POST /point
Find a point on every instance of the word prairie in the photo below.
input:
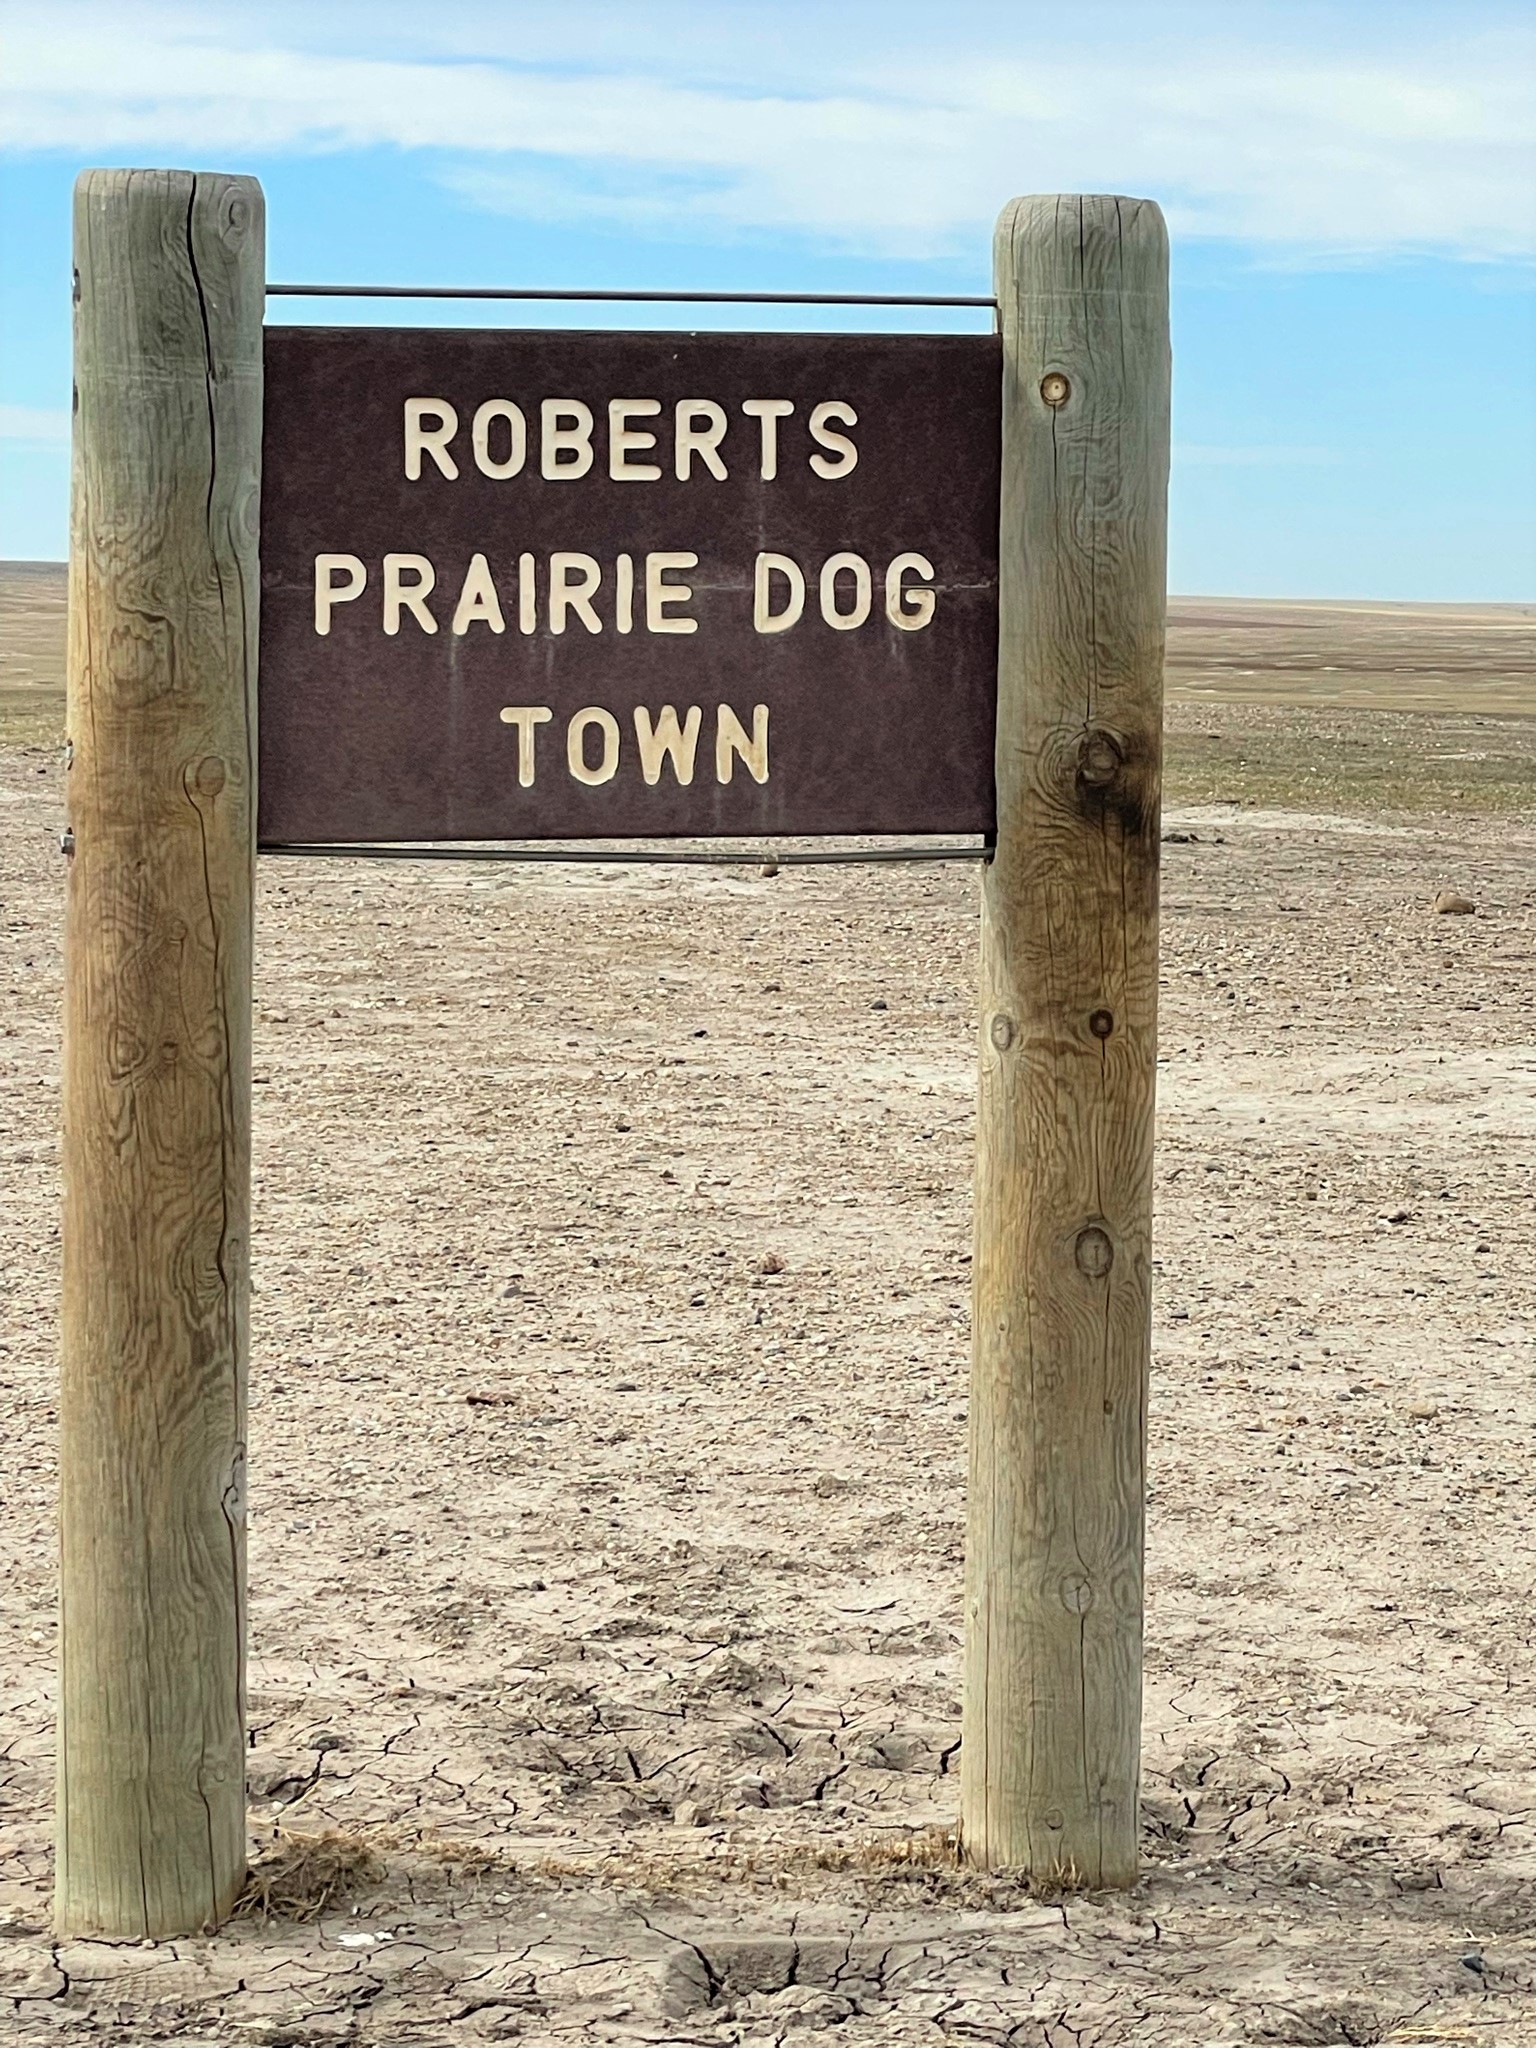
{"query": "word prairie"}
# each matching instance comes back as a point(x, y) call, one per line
point(647, 594)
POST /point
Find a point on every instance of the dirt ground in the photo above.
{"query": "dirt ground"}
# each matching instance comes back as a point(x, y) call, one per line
point(608, 1429)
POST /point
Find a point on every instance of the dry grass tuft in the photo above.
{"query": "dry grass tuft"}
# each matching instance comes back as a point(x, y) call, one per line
point(895, 1870)
point(300, 1875)
point(929, 1849)
point(931, 1863)
point(461, 1859)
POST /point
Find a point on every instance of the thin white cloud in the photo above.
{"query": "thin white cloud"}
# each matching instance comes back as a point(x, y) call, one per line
point(33, 423)
point(907, 150)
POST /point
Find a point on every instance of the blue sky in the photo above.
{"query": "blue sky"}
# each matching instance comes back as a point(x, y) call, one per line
point(1350, 186)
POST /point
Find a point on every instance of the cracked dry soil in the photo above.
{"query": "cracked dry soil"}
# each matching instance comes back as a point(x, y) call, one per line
point(615, 1661)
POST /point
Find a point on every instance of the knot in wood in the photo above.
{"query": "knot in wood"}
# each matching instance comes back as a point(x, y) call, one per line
point(125, 1051)
point(1055, 389)
point(210, 776)
point(1001, 1031)
point(237, 218)
point(1093, 1252)
point(1101, 1023)
point(1076, 1595)
point(1099, 759)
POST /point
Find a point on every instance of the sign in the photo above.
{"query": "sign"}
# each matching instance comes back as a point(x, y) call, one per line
point(582, 585)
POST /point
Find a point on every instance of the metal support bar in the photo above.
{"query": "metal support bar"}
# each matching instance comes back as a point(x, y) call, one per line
point(428, 291)
point(669, 857)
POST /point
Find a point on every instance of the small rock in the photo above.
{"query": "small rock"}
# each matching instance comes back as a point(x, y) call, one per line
point(1451, 903)
point(769, 869)
point(1423, 1411)
point(770, 1262)
point(880, 1004)
point(1181, 839)
point(1398, 1216)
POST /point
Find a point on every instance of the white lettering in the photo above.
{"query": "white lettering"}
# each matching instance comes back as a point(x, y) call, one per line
point(768, 412)
point(576, 596)
point(844, 454)
point(517, 437)
point(764, 618)
point(624, 594)
point(702, 441)
point(831, 569)
point(527, 718)
point(478, 599)
point(659, 594)
point(328, 592)
point(909, 609)
point(666, 738)
point(412, 597)
point(419, 438)
point(731, 739)
point(573, 441)
point(623, 439)
point(575, 746)
point(527, 594)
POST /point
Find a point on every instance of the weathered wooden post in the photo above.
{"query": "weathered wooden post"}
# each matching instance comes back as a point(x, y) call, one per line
point(1050, 1762)
point(169, 281)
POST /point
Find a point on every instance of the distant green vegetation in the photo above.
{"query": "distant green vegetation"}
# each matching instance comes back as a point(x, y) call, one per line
point(31, 718)
point(1295, 758)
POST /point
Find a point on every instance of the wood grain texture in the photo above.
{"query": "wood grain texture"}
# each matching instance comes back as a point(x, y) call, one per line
point(156, 1086)
point(1050, 1761)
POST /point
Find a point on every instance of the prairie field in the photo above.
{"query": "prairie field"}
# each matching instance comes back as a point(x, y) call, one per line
point(608, 1418)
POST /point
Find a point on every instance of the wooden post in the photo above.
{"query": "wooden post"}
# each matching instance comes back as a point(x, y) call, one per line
point(169, 282)
point(1050, 1762)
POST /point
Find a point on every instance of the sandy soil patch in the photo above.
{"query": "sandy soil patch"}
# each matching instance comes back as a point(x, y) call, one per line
point(608, 1433)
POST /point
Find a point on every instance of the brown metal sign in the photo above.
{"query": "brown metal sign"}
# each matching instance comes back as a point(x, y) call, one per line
point(581, 585)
